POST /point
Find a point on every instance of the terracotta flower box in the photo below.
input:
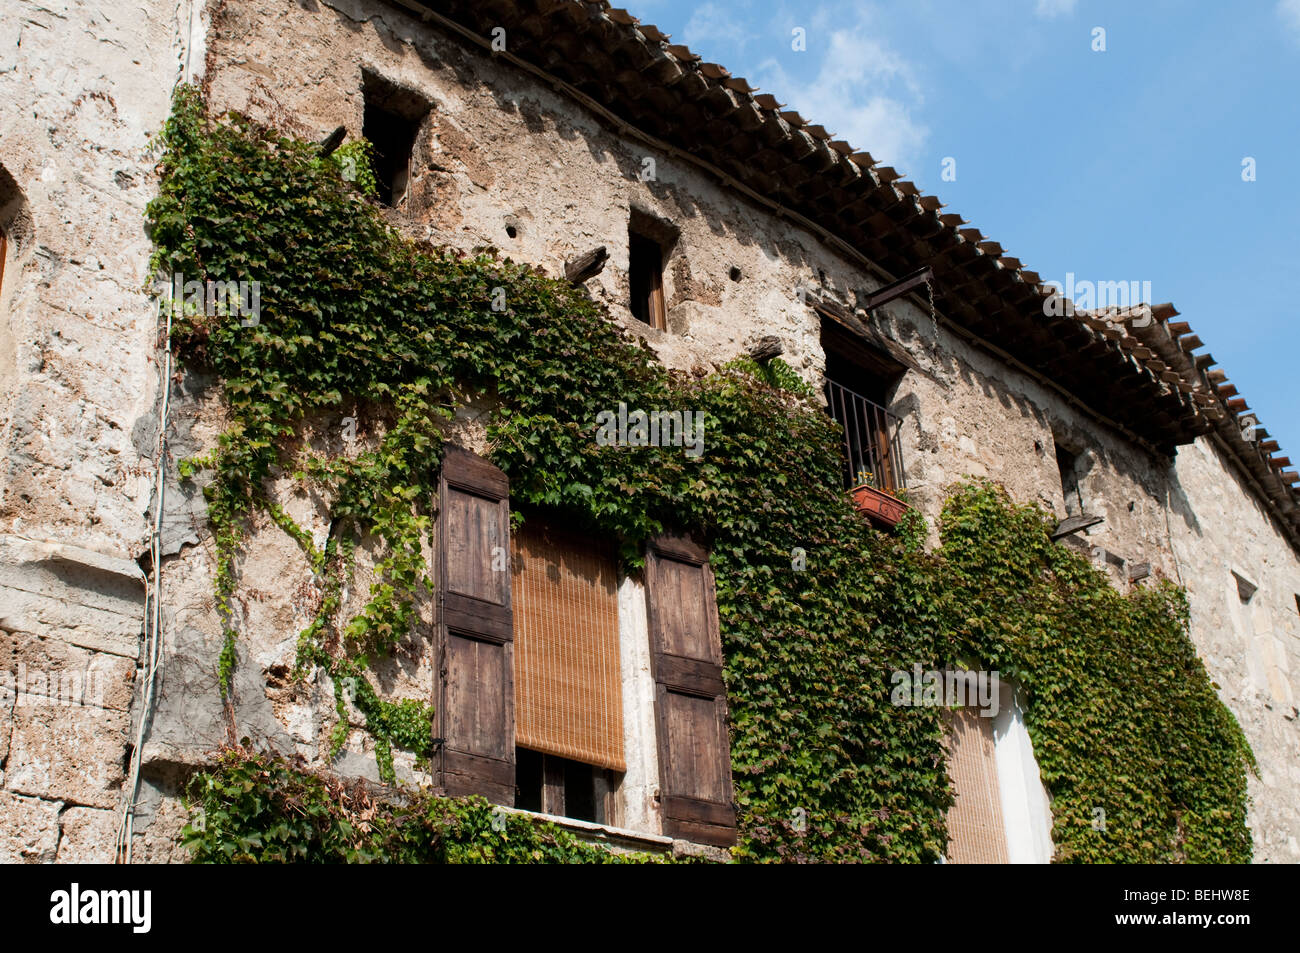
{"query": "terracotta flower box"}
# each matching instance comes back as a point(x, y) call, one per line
point(878, 506)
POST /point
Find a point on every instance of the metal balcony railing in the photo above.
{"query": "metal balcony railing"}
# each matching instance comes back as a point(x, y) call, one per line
point(870, 439)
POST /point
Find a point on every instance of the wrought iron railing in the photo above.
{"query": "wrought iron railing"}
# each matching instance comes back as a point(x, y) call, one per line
point(871, 443)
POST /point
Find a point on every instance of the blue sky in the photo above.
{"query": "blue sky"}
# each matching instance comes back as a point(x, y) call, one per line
point(1123, 164)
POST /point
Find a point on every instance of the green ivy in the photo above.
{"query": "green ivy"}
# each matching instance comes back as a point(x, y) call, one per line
point(1126, 725)
point(357, 319)
point(355, 161)
point(252, 808)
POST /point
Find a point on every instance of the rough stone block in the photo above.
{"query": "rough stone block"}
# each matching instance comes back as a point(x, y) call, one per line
point(74, 753)
point(35, 670)
point(30, 831)
point(88, 836)
point(62, 591)
point(190, 720)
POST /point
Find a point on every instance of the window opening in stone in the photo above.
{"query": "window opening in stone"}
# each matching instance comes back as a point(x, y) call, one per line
point(646, 277)
point(391, 122)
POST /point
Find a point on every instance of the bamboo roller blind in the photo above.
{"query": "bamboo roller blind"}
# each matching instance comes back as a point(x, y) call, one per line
point(975, 828)
point(568, 688)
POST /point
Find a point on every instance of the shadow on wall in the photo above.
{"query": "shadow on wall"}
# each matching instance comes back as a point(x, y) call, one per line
point(16, 244)
point(15, 218)
point(1179, 504)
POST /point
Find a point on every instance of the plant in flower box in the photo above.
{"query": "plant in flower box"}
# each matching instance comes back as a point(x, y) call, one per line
point(882, 508)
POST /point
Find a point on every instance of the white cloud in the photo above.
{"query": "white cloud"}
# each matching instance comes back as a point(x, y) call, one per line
point(1289, 12)
point(863, 91)
point(713, 26)
point(1054, 8)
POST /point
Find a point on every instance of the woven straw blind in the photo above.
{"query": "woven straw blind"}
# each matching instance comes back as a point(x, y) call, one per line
point(975, 828)
point(568, 689)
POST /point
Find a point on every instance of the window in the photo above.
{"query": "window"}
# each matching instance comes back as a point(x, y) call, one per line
point(977, 834)
point(391, 122)
point(1067, 464)
point(547, 784)
point(1001, 813)
point(646, 276)
point(859, 381)
point(568, 684)
point(649, 241)
point(530, 692)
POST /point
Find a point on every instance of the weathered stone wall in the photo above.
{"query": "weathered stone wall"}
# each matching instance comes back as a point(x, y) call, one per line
point(505, 161)
point(502, 160)
point(81, 88)
point(501, 151)
point(1219, 528)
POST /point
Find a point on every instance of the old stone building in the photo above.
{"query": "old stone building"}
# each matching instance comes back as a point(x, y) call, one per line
point(547, 129)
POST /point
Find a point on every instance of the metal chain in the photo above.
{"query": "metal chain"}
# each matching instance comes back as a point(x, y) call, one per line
point(934, 322)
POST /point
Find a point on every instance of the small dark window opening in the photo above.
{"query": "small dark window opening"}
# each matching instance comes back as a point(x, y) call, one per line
point(650, 241)
point(1245, 588)
point(393, 139)
point(1067, 464)
point(860, 382)
point(528, 780)
point(646, 277)
point(1297, 603)
point(580, 790)
point(391, 122)
point(735, 273)
point(547, 784)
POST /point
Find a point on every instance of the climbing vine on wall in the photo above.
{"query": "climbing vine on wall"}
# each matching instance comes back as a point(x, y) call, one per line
point(1120, 710)
point(253, 808)
point(1143, 762)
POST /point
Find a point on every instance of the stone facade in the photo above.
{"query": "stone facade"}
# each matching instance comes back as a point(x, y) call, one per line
point(83, 89)
point(501, 160)
point(1219, 532)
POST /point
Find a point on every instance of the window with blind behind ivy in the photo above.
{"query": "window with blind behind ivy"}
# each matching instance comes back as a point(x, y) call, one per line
point(976, 832)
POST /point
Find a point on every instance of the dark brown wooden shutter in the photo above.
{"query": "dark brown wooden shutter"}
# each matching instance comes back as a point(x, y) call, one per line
point(690, 701)
point(474, 696)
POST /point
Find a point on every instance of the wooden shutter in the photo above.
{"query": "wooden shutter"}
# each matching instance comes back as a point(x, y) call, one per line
point(658, 315)
point(474, 695)
point(646, 280)
point(690, 701)
point(976, 834)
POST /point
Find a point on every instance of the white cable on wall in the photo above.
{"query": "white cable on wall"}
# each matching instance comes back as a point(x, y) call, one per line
point(153, 609)
point(153, 638)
